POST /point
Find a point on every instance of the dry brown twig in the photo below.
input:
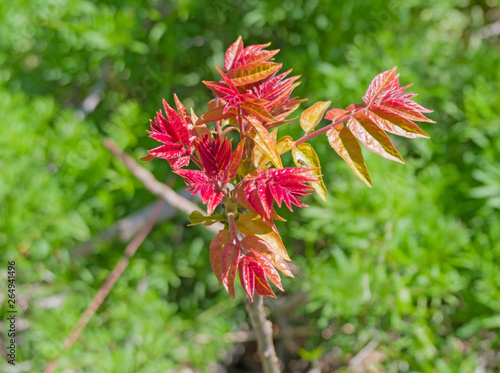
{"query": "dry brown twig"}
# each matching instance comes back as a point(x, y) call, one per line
point(104, 290)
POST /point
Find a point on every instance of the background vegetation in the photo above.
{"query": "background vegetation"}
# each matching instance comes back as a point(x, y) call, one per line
point(410, 268)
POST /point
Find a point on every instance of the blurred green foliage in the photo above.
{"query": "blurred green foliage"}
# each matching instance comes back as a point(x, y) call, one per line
point(413, 263)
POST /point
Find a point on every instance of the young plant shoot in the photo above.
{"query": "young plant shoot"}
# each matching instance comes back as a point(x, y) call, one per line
point(242, 181)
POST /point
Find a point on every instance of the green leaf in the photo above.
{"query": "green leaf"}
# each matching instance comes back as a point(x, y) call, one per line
point(345, 144)
point(305, 156)
point(263, 138)
point(311, 116)
point(197, 217)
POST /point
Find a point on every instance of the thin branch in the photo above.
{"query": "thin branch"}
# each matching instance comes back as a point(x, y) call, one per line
point(356, 362)
point(127, 227)
point(106, 287)
point(326, 128)
point(264, 332)
point(156, 187)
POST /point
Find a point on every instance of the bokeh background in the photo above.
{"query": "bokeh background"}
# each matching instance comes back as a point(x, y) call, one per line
point(407, 272)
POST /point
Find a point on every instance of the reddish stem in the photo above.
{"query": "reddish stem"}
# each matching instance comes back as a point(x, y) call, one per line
point(326, 128)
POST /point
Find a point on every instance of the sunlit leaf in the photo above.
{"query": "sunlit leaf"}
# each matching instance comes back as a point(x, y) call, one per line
point(373, 137)
point(250, 223)
point(251, 73)
point(346, 145)
point(254, 243)
point(263, 138)
point(197, 217)
point(305, 156)
point(311, 116)
point(230, 261)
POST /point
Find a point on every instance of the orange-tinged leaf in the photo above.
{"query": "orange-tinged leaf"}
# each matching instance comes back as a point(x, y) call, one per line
point(336, 114)
point(263, 138)
point(259, 111)
point(305, 156)
point(216, 248)
point(254, 243)
point(253, 72)
point(311, 116)
point(147, 158)
point(260, 160)
point(373, 137)
point(215, 115)
point(346, 145)
point(394, 123)
point(251, 223)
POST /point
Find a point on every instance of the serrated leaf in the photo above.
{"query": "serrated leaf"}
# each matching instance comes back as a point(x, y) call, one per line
point(305, 156)
point(264, 187)
point(253, 224)
point(373, 137)
point(263, 138)
point(216, 248)
point(252, 73)
point(311, 116)
point(232, 52)
point(394, 123)
point(262, 287)
point(254, 243)
point(247, 278)
point(267, 266)
point(230, 261)
point(346, 145)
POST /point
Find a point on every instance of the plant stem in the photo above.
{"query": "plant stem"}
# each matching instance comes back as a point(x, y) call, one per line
point(264, 333)
point(326, 128)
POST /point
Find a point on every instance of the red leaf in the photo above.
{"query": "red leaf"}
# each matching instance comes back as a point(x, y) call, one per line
point(280, 185)
point(235, 160)
point(230, 261)
point(267, 266)
point(174, 134)
point(262, 247)
point(261, 285)
point(216, 248)
point(247, 278)
point(199, 182)
point(385, 91)
point(386, 108)
point(232, 52)
point(373, 137)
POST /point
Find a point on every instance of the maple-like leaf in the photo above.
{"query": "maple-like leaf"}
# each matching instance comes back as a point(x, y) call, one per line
point(386, 108)
point(174, 134)
point(219, 166)
point(260, 189)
